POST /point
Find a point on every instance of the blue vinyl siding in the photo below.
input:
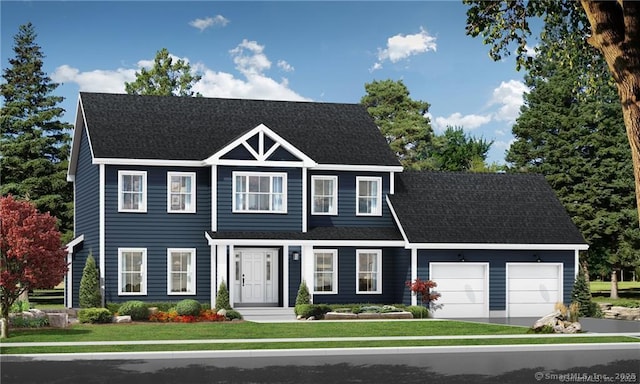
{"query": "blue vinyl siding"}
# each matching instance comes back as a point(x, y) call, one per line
point(347, 202)
point(395, 272)
point(229, 221)
point(156, 230)
point(87, 212)
point(498, 260)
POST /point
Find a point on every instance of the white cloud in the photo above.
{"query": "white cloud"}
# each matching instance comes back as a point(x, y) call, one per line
point(400, 47)
point(208, 22)
point(285, 66)
point(111, 81)
point(530, 51)
point(457, 119)
point(509, 96)
point(250, 61)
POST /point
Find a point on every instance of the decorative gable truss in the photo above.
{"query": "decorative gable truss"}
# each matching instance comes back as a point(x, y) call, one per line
point(261, 147)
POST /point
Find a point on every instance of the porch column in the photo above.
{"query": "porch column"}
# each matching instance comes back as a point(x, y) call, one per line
point(213, 276)
point(230, 272)
point(285, 276)
point(414, 273)
point(307, 268)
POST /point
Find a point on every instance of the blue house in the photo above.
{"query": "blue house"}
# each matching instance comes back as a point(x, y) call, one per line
point(174, 195)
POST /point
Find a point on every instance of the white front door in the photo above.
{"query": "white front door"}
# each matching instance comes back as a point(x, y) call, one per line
point(256, 279)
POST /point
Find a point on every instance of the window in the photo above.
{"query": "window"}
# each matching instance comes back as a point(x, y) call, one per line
point(324, 195)
point(368, 196)
point(259, 192)
point(181, 192)
point(369, 269)
point(325, 267)
point(132, 191)
point(132, 271)
point(181, 267)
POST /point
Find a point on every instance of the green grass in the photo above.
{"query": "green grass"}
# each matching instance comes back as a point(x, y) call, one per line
point(250, 330)
point(605, 286)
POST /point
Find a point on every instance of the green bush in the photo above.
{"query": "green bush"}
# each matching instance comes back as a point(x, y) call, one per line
point(95, 315)
point(222, 298)
point(113, 307)
point(232, 314)
point(308, 310)
point(28, 322)
point(90, 296)
point(134, 308)
point(188, 307)
point(418, 311)
point(19, 306)
point(543, 329)
point(303, 296)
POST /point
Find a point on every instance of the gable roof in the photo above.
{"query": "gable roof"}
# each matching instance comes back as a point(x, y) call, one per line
point(122, 126)
point(453, 208)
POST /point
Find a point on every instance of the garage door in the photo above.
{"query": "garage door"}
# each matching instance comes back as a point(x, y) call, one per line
point(533, 289)
point(464, 288)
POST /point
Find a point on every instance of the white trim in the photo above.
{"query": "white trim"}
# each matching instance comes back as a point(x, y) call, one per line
point(500, 246)
point(414, 274)
point(334, 195)
point(191, 287)
point(397, 220)
point(74, 242)
point(392, 183)
point(358, 168)
point(143, 272)
point(378, 209)
point(192, 193)
point(214, 198)
point(285, 276)
point(261, 157)
point(576, 263)
point(305, 209)
point(68, 297)
point(334, 272)
point(378, 253)
point(319, 243)
point(148, 162)
point(102, 230)
point(271, 176)
point(506, 281)
point(143, 202)
point(306, 268)
point(230, 264)
point(213, 276)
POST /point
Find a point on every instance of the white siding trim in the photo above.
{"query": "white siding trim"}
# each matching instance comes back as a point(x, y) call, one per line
point(102, 230)
point(305, 207)
point(306, 258)
point(285, 276)
point(397, 221)
point(214, 198)
point(414, 273)
point(500, 246)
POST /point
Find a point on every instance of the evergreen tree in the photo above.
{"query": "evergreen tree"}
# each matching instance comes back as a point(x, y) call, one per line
point(222, 298)
point(457, 151)
point(34, 143)
point(401, 120)
point(90, 296)
point(575, 136)
point(581, 294)
point(166, 78)
point(303, 296)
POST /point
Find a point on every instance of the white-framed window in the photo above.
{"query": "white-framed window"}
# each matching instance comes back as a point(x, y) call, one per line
point(325, 270)
point(132, 271)
point(259, 192)
point(181, 192)
point(369, 271)
point(181, 271)
point(132, 191)
point(324, 195)
point(369, 196)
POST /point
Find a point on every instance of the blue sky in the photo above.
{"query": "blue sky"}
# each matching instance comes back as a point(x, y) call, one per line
point(319, 51)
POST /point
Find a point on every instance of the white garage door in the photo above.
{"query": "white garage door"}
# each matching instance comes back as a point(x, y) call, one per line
point(533, 289)
point(464, 288)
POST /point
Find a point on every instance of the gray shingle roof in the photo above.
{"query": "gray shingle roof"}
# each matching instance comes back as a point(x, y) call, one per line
point(318, 233)
point(481, 208)
point(190, 128)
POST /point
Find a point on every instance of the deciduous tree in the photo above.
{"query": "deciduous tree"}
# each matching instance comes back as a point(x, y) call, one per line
point(34, 142)
point(167, 77)
point(457, 151)
point(31, 255)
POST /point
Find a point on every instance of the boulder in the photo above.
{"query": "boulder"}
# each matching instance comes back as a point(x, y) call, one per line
point(550, 320)
point(557, 321)
point(573, 328)
point(58, 320)
point(122, 319)
point(340, 316)
point(222, 312)
point(396, 315)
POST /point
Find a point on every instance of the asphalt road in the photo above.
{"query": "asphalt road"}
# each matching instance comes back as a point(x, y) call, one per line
point(419, 365)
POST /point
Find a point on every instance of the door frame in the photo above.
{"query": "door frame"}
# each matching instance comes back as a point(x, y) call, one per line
point(271, 289)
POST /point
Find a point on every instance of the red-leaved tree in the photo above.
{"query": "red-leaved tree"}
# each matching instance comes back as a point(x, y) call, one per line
point(423, 289)
point(31, 255)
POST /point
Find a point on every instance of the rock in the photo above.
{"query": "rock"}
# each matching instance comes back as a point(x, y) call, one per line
point(27, 315)
point(573, 328)
point(58, 320)
point(396, 315)
point(368, 315)
point(605, 306)
point(625, 313)
point(311, 318)
point(299, 317)
point(122, 319)
point(340, 316)
point(37, 313)
point(550, 320)
point(222, 312)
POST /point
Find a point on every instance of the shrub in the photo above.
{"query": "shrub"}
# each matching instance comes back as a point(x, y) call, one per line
point(113, 307)
point(232, 314)
point(303, 296)
point(581, 294)
point(188, 307)
point(134, 308)
point(543, 329)
point(222, 298)
point(418, 311)
point(90, 296)
point(308, 310)
point(28, 322)
point(20, 306)
point(94, 315)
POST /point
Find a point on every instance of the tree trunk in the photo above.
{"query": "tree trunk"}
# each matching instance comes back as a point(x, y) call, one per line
point(4, 322)
point(615, 31)
point(614, 284)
